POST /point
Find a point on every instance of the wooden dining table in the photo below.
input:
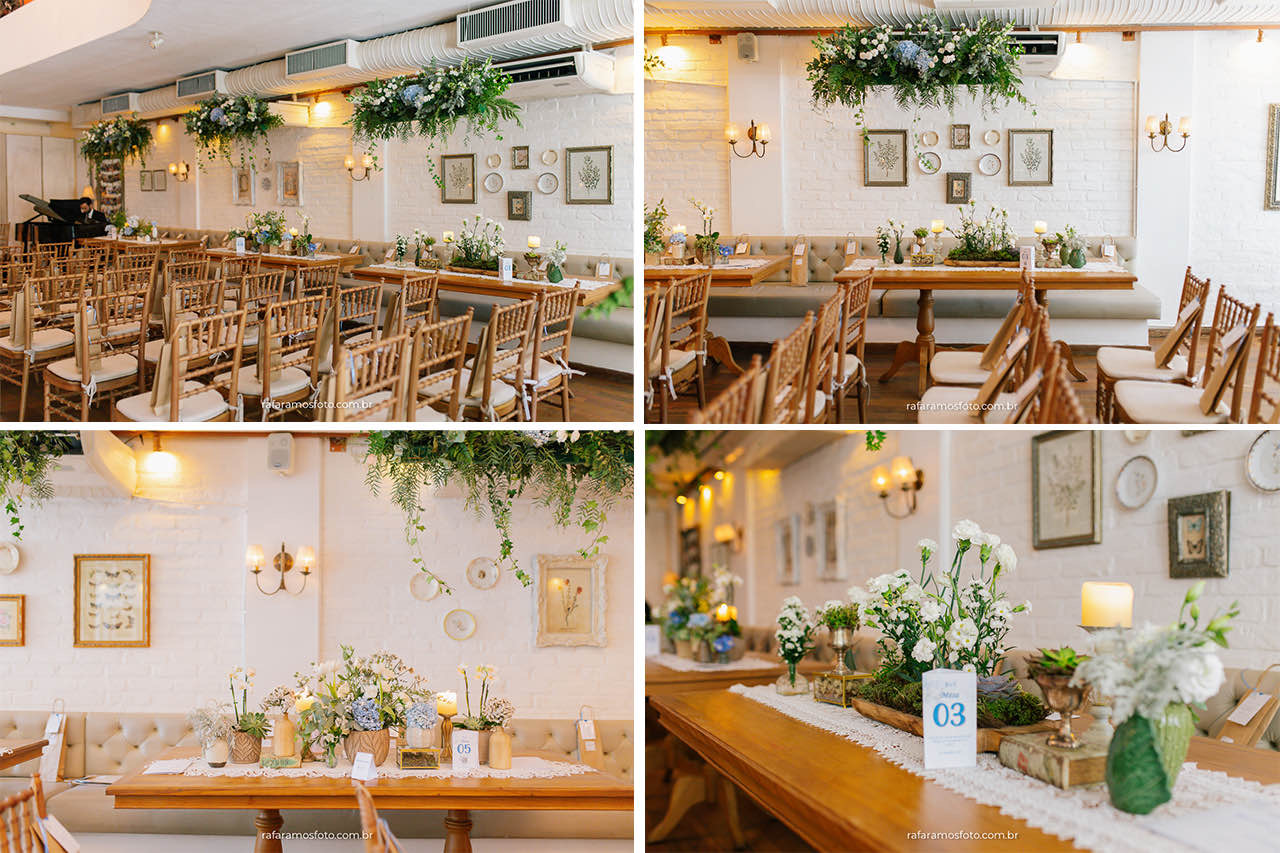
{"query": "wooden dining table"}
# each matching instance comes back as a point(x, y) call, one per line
point(15, 751)
point(1095, 275)
point(165, 244)
point(292, 262)
point(839, 795)
point(459, 796)
point(735, 271)
point(593, 289)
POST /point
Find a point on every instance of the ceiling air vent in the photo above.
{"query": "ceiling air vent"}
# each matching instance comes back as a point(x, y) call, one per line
point(1041, 52)
point(322, 60)
point(126, 102)
point(200, 85)
point(516, 19)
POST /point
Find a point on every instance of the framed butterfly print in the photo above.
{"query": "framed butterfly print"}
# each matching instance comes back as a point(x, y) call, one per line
point(113, 600)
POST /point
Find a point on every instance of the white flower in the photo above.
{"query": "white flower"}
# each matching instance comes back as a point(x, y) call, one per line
point(969, 668)
point(858, 595)
point(1197, 677)
point(1026, 607)
point(927, 547)
point(1006, 558)
point(930, 610)
point(991, 540)
point(963, 634)
point(912, 593)
point(878, 584)
point(924, 650)
point(1002, 609)
point(966, 531)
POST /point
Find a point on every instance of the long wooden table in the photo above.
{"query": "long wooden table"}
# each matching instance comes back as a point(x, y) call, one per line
point(593, 290)
point(730, 273)
point(20, 750)
point(1096, 275)
point(267, 795)
point(293, 262)
point(660, 680)
point(839, 795)
point(164, 244)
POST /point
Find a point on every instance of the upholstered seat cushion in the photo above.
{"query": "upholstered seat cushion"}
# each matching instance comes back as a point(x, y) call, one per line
point(677, 361)
point(1166, 403)
point(204, 406)
point(616, 327)
point(953, 367)
point(115, 366)
point(769, 300)
point(852, 368)
point(290, 381)
point(501, 395)
point(42, 340)
point(1127, 363)
point(948, 404)
point(819, 399)
point(124, 330)
point(548, 370)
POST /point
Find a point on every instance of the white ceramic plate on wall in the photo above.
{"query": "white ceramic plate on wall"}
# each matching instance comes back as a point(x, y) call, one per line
point(929, 162)
point(549, 157)
point(1136, 482)
point(9, 558)
point(991, 137)
point(424, 587)
point(548, 183)
point(492, 182)
point(459, 624)
point(929, 138)
point(989, 164)
point(482, 573)
point(493, 161)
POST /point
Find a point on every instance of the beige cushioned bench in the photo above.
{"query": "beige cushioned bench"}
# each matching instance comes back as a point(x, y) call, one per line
point(109, 744)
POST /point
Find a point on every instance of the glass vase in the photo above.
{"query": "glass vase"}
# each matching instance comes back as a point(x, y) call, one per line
point(331, 755)
point(897, 251)
point(791, 683)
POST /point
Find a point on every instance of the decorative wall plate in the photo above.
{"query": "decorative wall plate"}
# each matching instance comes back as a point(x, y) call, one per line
point(1262, 465)
point(493, 161)
point(482, 573)
point(424, 587)
point(1136, 482)
point(549, 157)
point(991, 137)
point(929, 138)
point(459, 624)
point(548, 183)
point(929, 162)
point(492, 182)
point(989, 164)
point(9, 558)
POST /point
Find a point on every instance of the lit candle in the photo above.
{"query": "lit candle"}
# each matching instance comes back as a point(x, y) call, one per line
point(1041, 227)
point(448, 236)
point(535, 242)
point(447, 703)
point(680, 229)
point(937, 226)
point(1153, 124)
point(1184, 125)
point(722, 613)
point(293, 232)
point(880, 479)
point(1106, 605)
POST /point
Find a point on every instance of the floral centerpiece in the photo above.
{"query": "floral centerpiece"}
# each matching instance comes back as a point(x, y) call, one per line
point(212, 728)
point(493, 712)
point(422, 243)
point(401, 248)
point(321, 706)
point(707, 244)
point(983, 242)
point(926, 63)
point(432, 103)
point(280, 702)
point(225, 125)
point(795, 640)
point(944, 620)
point(655, 229)
point(1070, 247)
point(478, 245)
point(890, 231)
point(248, 727)
point(555, 262)
point(1152, 676)
point(700, 616)
point(301, 242)
point(267, 229)
point(134, 226)
point(122, 138)
point(419, 720)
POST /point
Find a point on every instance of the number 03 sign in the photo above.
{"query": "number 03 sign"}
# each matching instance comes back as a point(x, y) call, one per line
point(950, 719)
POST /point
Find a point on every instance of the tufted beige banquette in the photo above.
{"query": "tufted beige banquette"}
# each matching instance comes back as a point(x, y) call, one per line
point(866, 657)
point(107, 744)
point(768, 311)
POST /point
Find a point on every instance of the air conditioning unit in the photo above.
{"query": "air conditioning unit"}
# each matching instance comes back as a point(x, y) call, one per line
point(293, 113)
point(322, 60)
point(714, 5)
point(517, 19)
point(201, 85)
point(125, 102)
point(83, 115)
point(581, 73)
point(1041, 52)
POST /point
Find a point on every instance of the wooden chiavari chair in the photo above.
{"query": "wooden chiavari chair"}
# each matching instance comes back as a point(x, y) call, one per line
point(437, 371)
point(114, 321)
point(354, 319)
point(59, 251)
point(40, 331)
point(413, 302)
point(737, 404)
point(1226, 361)
point(21, 816)
point(1059, 404)
point(851, 363)
point(973, 366)
point(287, 368)
point(232, 270)
point(183, 301)
point(378, 837)
point(1174, 361)
point(783, 388)
point(254, 292)
point(313, 279)
point(654, 311)
point(12, 276)
point(369, 384)
point(1264, 405)
point(682, 340)
point(547, 370)
point(819, 372)
point(498, 368)
point(185, 387)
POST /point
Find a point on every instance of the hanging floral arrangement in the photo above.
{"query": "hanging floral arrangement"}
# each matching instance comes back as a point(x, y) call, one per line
point(925, 65)
point(224, 126)
point(576, 475)
point(432, 104)
point(27, 458)
point(122, 138)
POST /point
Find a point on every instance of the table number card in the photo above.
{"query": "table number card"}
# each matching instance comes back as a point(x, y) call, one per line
point(506, 268)
point(742, 248)
point(604, 269)
point(950, 719)
point(652, 641)
point(799, 263)
point(466, 749)
point(363, 769)
point(1026, 257)
point(239, 245)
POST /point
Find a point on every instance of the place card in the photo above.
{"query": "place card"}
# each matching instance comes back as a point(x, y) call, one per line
point(239, 245)
point(363, 769)
point(604, 269)
point(506, 268)
point(950, 719)
point(1248, 707)
point(742, 248)
point(1027, 257)
point(652, 640)
point(466, 749)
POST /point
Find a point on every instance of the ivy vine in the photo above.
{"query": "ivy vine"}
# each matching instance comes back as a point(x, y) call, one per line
point(26, 460)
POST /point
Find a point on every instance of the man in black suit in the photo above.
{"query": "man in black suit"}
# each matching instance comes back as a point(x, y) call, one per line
point(88, 213)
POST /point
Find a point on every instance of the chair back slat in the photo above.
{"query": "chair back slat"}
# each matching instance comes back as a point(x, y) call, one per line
point(377, 366)
point(1193, 288)
point(317, 278)
point(783, 389)
point(503, 351)
point(553, 328)
point(821, 361)
point(439, 352)
point(1264, 404)
point(119, 316)
point(737, 404)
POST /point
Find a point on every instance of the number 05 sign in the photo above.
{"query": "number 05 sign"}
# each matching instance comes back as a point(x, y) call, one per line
point(950, 721)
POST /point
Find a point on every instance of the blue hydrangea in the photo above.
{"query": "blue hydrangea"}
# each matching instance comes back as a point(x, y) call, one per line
point(412, 93)
point(700, 620)
point(922, 62)
point(677, 619)
point(907, 51)
point(217, 114)
point(723, 644)
point(421, 715)
point(365, 712)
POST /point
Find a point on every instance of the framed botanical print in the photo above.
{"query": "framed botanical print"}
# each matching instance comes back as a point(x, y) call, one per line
point(691, 552)
point(959, 187)
point(13, 620)
point(571, 600)
point(1199, 535)
point(520, 205)
point(242, 189)
point(787, 533)
point(458, 178)
point(1066, 488)
point(884, 158)
point(519, 156)
point(588, 175)
point(831, 556)
point(1030, 160)
point(289, 183)
point(112, 600)
point(959, 136)
point(1271, 200)
point(159, 180)
point(144, 180)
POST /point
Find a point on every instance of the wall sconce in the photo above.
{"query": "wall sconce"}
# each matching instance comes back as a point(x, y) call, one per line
point(366, 163)
point(760, 136)
point(908, 478)
point(1164, 128)
point(282, 563)
point(729, 534)
point(159, 462)
point(181, 171)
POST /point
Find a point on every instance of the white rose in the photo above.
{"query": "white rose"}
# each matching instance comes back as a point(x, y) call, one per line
point(1002, 609)
point(966, 531)
point(927, 545)
point(878, 584)
point(924, 650)
point(991, 540)
point(1006, 558)
point(913, 593)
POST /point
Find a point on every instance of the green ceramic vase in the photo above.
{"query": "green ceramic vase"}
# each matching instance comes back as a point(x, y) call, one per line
point(554, 274)
point(1077, 258)
point(1145, 756)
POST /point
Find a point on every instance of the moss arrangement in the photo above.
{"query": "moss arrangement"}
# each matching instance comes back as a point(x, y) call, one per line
point(1019, 709)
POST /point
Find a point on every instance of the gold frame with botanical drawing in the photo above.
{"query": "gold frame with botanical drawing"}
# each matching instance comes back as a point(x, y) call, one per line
point(1013, 138)
point(898, 140)
point(1271, 195)
point(566, 583)
point(1066, 472)
point(577, 190)
point(449, 164)
point(17, 634)
point(95, 602)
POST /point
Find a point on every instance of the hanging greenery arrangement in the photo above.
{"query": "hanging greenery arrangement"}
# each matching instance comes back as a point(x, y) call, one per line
point(620, 298)
point(432, 103)
point(26, 459)
point(226, 125)
point(122, 138)
point(925, 65)
point(578, 476)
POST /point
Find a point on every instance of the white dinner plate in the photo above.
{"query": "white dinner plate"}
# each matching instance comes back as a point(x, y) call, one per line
point(1262, 465)
point(492, 182)
point(482, 573)
point(424, 587)
point(9, 558)
point(459, 624)
point(548, 183)
point(493, 161)
point(929, 138)
point(991, 137)
point(1136, 482)
point(549, 157)
point(989, 164)
point(929, 162)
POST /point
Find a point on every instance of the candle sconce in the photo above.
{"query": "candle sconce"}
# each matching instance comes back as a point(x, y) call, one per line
point(1164, 128)
point(366, 164)
point(909, 478)
point(758, 135)
point(282, 563)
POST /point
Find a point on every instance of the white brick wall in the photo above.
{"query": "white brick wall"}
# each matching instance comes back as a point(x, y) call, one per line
point(196, 536)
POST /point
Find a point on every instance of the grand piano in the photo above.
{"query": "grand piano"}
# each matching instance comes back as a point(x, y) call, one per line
point(59, 224)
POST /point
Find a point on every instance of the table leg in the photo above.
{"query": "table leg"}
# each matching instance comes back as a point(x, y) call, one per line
point(687, 791)
point(1064, 350)
point(718, 348)
point(268, 823)
point(457, 831)
point(924, 337)
point(731, 814)
point(905, 354)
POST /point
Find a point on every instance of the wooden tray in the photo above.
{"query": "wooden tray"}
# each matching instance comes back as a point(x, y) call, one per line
point(1008, 264)
point(988, 739)
point(472, 270)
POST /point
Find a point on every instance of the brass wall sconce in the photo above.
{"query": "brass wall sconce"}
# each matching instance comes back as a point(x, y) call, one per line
point(1164, 128)
point(909, 480)
point(181, 171)
point(282, 563)
point(366, 164)
point(759, 136)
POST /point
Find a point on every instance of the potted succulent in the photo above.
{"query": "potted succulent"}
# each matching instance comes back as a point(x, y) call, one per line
point(795, 640)
point(212, 729)
point(841, 619)
point(482, 724)
point(922, 235)
point(1053, 671)
point(249, 727)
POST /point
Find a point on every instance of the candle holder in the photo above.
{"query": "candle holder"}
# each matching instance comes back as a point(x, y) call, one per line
point(533, 259)
point(836, 687)
point(446, 737)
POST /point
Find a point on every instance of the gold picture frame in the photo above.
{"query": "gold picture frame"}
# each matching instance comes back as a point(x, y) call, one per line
point(1066, 488)
point(1272, 195)
point(884, 158)
point(457, 179)
point(571, 600)
point(13, 619)
point(112, 600)
point(1030, 160)
point(588, 175)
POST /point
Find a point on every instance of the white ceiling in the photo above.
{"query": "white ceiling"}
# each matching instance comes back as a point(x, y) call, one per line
point(204, 34)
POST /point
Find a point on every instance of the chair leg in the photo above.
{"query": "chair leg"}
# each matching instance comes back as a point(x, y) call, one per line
point(22, 399)
point(46, 403)
point(702, 385)
point(564, 400)
point(659, 388)
point(864, 392)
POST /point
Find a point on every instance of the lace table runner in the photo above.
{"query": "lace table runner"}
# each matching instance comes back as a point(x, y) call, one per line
point(1092, 265)
point(566, 282)
point(522, 767)
point(680, 664)
point(1083, 816)
point(5, 750)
